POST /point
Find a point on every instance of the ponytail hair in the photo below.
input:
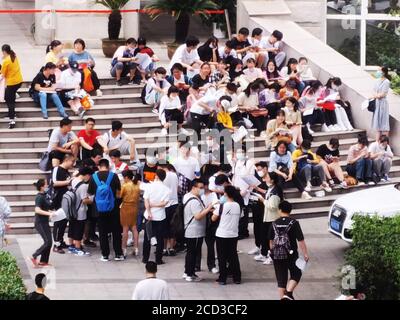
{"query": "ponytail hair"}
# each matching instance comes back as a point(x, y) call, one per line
point(7, 49)
point(385, 71)
point(39, 184)
point(52, 45)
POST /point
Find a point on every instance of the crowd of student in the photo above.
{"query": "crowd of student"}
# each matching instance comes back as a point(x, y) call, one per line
point(241, 85)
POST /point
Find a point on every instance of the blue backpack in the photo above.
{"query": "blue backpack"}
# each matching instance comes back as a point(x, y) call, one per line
point(105, 200)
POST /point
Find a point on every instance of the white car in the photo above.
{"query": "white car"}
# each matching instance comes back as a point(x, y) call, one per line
point(384, 201)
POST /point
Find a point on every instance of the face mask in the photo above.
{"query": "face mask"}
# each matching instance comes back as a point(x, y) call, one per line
point(151, 160)
point(160, 78)
point(378, 74)
point(46, 189)
point(210, 143)
point(334, 87)
point(241, 156)
point(261, 174)
point(222, 200)
point(212, 46)
point(202, 192)
point(238, 70)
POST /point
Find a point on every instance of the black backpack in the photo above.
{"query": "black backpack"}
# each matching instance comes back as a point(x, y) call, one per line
point(177, 221)
point(281, 243)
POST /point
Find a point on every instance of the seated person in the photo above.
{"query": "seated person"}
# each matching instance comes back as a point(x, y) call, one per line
point(251, 73)
point(202, 80)
point(235, 71)
point(224, 120)
point(116, 165)
point(277, 130)
point(170, 112)
point(330, 160)
point(144, 49)
point(123, 62)
point(180, 80)
point(227, 53)
point(290, 72)
point(43, 89)
point(293, 119)
point(208, 52)
point(255, 52)
point(54, 54)
point(269, 99)
point(62, 141)
point(187, 54)
point(281, 163)
point(382, 157)
point(289, 91)
point(306, 165)
point(305, 71)
point(85, 61)
point(156, 87)
point(117, 139)
point(236, 116)
point(88, 139)
point(241, 43)
point(271, 74)
point(272, 48)
point(359, 163)
point(220, 76)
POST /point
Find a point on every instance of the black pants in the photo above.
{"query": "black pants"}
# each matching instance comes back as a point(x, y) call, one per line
point(257, 210)
point(265, 228)
point(9, 97)
point(200, 121)
point(244, 224)
point(330, 117)
point(109, 223)
point(43, 229)
point(283, 266)
point(273, 109)
point(193, 246)
point(157, 228)
point(260, 123)
point(59, 230)
point(318, 116)
point(227, 253)
point(210, 243)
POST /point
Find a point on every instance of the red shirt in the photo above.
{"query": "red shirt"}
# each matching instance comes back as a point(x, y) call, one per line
point(89, 139)
point(147, 50)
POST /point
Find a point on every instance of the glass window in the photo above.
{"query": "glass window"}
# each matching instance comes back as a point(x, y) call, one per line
point(384, 6)
point(344, 6)
point(344, 37)
point(383, 44)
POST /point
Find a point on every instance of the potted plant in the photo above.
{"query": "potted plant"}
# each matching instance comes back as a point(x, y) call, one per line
point(218, 21)
point(181, 10)
point(111, 44)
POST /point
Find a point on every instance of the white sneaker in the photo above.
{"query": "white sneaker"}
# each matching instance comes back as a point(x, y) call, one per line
point(336, 127)
point(184, 131)
point(104, 259)
point(215, 270)
point(361, 183)
point(309, 128)
point(260, 258)
point(193, 279)
point(130, 243)
point(325, 128)
point(99, 93)
point(331, 182)
point(371, 183)
point(326, 187)
point(263, 134)
point(164, 132)
point(155, 111)
point(256, 250)
point(17, 96)
point(184, 276)
point(308, 187)
point(331, 128)
point(343, 185)
point(268, 261)
point(306, 196)
point(136, 252)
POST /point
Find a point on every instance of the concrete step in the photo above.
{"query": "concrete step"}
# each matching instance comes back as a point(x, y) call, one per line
point(103, 81)
point(109, 89)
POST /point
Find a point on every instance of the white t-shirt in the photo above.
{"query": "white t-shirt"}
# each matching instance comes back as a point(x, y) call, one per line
point(151, 289)
point(168, 104)
point(209, 198)
point(253, 74)
point(209, 100)
point(229, 220)
point(375, 147)
point(70, 80)
point(81, 193)
point(120, 52)
point(59, 139)
point(181, 55)
point(172, 182)
point(152, 84)
point(187, 167)
point(194, 228)
point(116, 142)
point(224, 55)
point(156, 192)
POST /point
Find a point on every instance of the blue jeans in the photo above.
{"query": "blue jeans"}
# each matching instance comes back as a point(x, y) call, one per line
point(41, 98)
point(361, 170)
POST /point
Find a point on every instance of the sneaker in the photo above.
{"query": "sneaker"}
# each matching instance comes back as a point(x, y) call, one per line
point(164, 132)
point(286, 297)
point(306, 196)
point(184, 276)
point(360, 183)
point(45, 117)
point(136, 252)
point(331, 182)
point(119, 258)
point(11, 125)
point(89, 243)
point(308, 187)
point(17, 96)
point(119, 83)
point(81, 253)
point(165, 253)
point(371, 183)
point(260, 258)
point(99, 93)
point(268, 261)
point(82, 114)
point(325, 128)
point(34, 261)
point(171, 252)
point(309, 128)
point(155, 111)
point(386, 178)
point(104, 259)
point(193, 279)
point(343, 185)
point(326, 187)
point(72, 249)
point(58, 250)
point(336, 127)
point(215, 270)
point(256, 250)
point(44, 265)
point(63, 245)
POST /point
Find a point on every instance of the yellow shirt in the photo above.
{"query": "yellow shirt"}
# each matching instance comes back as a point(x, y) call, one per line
point(298, 153)
point(11, 71)
point(224, 118)
point(52, 57)
point(130, 192)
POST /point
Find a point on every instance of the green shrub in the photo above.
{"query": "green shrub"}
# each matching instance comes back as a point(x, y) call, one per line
point(395, 84)
point(375, 255)
point(11, 285)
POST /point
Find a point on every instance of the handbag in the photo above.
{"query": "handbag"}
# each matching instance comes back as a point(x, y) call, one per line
point(44, 163)
point(371, 106)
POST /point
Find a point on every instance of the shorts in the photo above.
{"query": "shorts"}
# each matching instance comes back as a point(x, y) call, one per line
point(174, 115)
point(55, 154)
point(126, 68)
point(169, 213)
point(76, 229)
point(281, 270)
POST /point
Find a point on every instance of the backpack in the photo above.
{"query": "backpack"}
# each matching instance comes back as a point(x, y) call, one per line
point(104, 198)
point(87, 80)
point(51, 195)
point(69, 203)
point(281, 243)
point(177, 221)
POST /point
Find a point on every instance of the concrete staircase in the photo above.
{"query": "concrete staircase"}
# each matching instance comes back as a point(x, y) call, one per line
point(20, 149)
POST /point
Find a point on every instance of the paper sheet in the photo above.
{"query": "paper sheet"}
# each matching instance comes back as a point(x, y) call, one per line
point(143, 60)
point(308, 112)
point(251, 180)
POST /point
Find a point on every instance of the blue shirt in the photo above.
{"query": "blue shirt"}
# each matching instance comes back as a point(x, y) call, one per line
point(77, 57)
point(276, 158)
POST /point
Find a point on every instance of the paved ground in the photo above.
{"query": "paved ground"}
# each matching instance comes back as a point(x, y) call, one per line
point(88, 278)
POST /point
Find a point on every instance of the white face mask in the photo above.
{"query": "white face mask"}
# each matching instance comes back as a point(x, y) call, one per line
point(151, 160)
point(241, 156)
point(160, 78)
point(238, 70)
point(212, 46)
point(261, 174)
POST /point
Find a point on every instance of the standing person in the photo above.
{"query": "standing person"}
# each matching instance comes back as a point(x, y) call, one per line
point(77, 227)
point(151, 288)
point(130, 195)
point(88, 139)
point(11, 71)
point(38, 294)
point(195, 227)
point(380, 118)
point(156, 197)
point(227, 234)
point(382, 156)
point(105, 187)
point(43, 90)
point(42, 215)
point(61, 181)
point(359, 163)
point(283, 238)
